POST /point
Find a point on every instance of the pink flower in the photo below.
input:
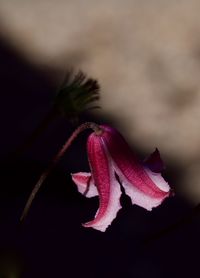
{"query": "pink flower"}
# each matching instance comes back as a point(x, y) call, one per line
point(110, 157)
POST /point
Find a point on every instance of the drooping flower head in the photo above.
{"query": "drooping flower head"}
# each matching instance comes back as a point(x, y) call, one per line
point(110, 157)
point(112, 163)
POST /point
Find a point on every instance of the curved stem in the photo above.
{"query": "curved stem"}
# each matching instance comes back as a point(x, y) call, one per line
point(59, 155)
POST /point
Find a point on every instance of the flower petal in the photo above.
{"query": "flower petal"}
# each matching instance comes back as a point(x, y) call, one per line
point(107, 186)
point(158, 180)
point(140, 198)
point(85, 184)
point(127, 164)
point(154, 162)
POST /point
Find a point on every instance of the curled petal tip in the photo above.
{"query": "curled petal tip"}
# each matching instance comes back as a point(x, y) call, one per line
point(154, 162)
point(85, 184)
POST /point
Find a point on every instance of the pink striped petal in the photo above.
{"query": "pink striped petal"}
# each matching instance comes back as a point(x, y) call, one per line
point(140, 198)
point(107, 186)
point(85, 184)
point(127, 164)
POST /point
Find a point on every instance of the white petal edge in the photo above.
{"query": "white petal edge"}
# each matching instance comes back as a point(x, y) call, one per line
point(113, 207)
point(158, 180)
point(138, 197)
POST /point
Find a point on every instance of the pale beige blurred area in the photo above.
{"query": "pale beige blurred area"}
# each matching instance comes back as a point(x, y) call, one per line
point(145, 54)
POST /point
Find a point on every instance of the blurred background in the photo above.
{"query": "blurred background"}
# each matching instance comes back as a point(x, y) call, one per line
point(146, 57)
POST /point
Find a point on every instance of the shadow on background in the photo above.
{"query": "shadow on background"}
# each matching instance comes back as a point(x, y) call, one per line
point(52, 243)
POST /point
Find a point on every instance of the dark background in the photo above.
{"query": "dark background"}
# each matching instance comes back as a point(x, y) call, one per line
point(52, 242)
